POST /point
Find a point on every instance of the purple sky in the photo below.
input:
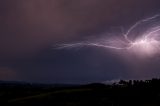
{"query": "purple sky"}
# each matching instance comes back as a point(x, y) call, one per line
point(30, 28)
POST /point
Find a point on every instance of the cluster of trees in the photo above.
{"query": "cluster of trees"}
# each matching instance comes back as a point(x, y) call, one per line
point(140, 83)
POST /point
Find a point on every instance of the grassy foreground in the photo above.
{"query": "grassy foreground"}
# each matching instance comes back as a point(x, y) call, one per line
point(125, 93)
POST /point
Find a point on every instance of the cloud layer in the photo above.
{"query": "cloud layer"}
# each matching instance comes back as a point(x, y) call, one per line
point(28, 28)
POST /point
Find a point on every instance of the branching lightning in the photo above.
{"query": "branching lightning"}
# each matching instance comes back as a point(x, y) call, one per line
point(147, 43)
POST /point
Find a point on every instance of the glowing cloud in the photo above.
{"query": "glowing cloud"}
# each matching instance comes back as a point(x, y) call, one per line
point(145, 46)
point(145, 43)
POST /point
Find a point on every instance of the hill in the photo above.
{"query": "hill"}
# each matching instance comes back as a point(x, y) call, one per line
point(124, 93)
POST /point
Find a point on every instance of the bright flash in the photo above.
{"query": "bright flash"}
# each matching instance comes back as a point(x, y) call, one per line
point(147, 43)
point(145, 46)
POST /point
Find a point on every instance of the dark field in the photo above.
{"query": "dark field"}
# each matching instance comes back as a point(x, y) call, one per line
point(124, 93)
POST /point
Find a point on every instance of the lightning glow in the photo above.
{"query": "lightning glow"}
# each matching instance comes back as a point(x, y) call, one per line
point(147, 43)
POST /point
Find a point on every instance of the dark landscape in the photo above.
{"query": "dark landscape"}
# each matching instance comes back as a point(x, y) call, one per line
point(79, 52)
point(123, 93)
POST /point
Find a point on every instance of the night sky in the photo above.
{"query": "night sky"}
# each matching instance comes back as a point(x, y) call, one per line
point(30, 30)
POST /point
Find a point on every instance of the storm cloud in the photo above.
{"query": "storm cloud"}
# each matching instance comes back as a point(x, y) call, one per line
point(30, 28)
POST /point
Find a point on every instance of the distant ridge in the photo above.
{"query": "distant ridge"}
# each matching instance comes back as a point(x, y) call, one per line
point(23, 83)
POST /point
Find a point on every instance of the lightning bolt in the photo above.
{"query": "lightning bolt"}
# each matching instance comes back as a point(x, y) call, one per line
point(146, 43)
